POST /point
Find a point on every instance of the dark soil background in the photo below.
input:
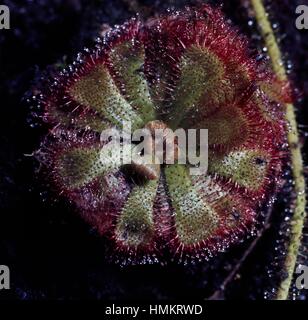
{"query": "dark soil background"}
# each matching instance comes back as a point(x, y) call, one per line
point(51, 252)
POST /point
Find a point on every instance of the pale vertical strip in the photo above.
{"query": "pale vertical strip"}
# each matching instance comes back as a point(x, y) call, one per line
point(299, 214)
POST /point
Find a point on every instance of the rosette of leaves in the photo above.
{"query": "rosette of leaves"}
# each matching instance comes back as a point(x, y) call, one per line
point(189, 69)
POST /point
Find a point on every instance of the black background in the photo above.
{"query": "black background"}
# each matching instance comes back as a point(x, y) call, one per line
point(51, 252)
